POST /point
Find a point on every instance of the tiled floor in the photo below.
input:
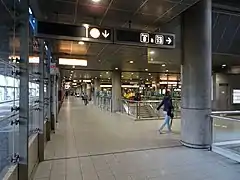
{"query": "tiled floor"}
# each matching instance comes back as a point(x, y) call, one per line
point(94, 145)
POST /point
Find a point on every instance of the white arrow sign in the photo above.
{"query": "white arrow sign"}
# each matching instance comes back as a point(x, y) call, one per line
point(105, 34)
point(169, 40)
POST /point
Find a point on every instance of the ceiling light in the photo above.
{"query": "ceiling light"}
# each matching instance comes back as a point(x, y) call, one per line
point(149, 74)
point(163, 65)
point(146, 79)
point(146, 69)
point(151, 59)
point(131, 62)
point(224, 65)
point(116, 68)
point(122, 76)
point(106, 72)
point(95, 77)
point(73, 67)
point(73, 62)
point(132, 73)
point(96, 1)
point(71, 71)
point(81, 43)
point(152, 52)
point(100, 75)
point(167, 70)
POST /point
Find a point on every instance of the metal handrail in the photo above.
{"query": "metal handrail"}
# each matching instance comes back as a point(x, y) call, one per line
point(224, 112)
point(148, 101)
point(225, 118)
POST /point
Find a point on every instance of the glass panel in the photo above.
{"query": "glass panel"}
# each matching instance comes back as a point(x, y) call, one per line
point(226, 132)
point(33, 98)
point(8, 116)
point(226, 135)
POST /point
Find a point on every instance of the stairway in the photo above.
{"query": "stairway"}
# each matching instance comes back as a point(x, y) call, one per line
point(146, 112)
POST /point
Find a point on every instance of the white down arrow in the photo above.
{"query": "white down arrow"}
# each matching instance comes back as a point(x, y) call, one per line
point(105, 34)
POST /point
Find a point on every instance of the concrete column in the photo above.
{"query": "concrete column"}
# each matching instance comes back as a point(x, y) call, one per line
point(197, 68)
point(116, 91)
point(89, 91)
point(41, 104)
point(23, 19)
point(96, 89)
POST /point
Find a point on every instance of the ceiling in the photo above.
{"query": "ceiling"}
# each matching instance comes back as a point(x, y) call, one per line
point(143, 14)
point(150, 15)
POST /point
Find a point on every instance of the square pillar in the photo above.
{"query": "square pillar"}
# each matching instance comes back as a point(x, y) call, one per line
point(24, 90)
point(116, 91)
point(96, 90)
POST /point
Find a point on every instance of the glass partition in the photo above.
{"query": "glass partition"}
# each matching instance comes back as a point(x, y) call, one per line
point(9, 102)
point(33, 98)
point(226, 135)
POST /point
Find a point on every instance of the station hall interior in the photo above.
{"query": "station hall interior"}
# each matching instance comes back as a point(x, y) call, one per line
point(119, 90)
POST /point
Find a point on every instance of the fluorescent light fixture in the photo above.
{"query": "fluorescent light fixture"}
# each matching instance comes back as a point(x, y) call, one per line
point(30, 11)
point(81, 42)
point(123, 86)
point(165, 82)
point(224, 65)
point(163, 65)
point(32, 59)
point(72, 62)
point(152, 52)
point(131, 62)
point(116, 68)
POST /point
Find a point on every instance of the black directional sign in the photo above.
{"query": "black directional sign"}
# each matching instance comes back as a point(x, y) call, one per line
point(72, 32)
point(91, 33)
point(145, 39)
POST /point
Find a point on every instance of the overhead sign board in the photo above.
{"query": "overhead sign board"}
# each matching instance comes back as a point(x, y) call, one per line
point(91, 33)
point(145, 39)
point(73, 32)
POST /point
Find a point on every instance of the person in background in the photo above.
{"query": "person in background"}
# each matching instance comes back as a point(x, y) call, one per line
point(168, 111)
point(85, 99)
